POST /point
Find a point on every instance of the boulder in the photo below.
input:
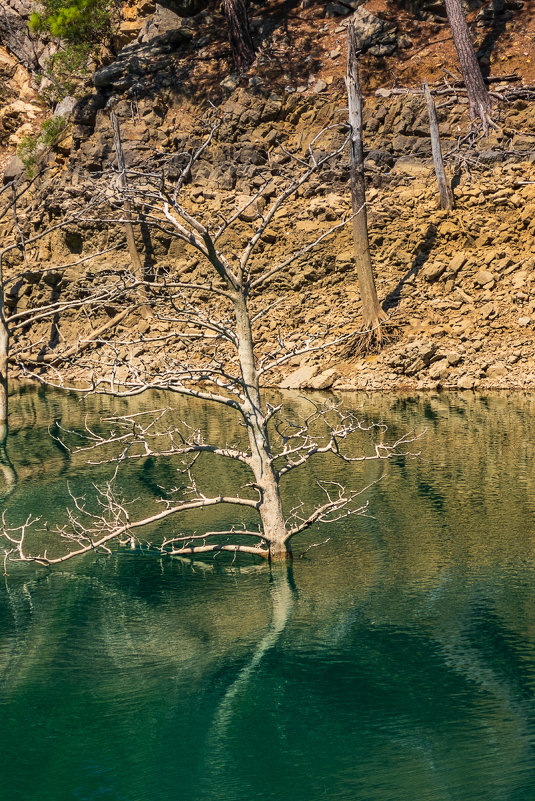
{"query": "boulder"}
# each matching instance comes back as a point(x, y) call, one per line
point(65, 107)
point(408, 165)
point(484, 277)
point(324, 380)
point(374, 34)
point(252, 207)
point(336, 10)
point(458, 261)
point(184, 8)
point(466, 382)
point(497, 370)
point(166, 23)
point(432, 272)
point(453, 357)
point(439, 370)
point(13, 169)
point(300, 378)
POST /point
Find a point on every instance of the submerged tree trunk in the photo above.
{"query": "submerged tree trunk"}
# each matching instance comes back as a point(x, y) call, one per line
point(479, 100)
point(266, 479)
point(4, 356)
point(372, 312)
point(239, 35)
point(446, 195)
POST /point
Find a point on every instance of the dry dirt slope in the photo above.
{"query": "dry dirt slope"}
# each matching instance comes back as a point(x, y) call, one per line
point(460, 288)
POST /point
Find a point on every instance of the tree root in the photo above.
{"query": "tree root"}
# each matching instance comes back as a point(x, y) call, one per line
point(372, 340)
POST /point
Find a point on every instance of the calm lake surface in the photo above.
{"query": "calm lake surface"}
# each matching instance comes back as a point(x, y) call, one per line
point(394, 663)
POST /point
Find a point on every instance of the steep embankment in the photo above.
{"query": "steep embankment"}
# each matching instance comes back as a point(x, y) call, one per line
point(459, 287)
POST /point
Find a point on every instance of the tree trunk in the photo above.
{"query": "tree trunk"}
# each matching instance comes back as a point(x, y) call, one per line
point(446, 196)
point(266, 479)
point(129, 230)
point(372, 312)
point(239, 35)
point(479, 100)
point(4, 354)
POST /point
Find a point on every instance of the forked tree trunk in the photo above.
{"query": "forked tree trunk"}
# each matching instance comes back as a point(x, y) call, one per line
point(479, 100)
point(372, 312)
point(266, 479)
point(4, 363)
point(446, 195)
point(239, 35)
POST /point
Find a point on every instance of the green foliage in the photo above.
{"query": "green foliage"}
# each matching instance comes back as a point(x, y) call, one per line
point(83, 25)
point(75, 21)
point(31, 146)
point(51, 130)
point(68, 71)
point(27, 152)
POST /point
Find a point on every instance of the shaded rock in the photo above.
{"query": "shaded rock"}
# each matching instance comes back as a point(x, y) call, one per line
point(166, 24)
point(230, 83)
point(108, 75)
point(491, 156)
point(184, 8)
point(372, 32)
point(522, 142)
point(414, 368)
point(336, 10)
point(85, 110)
point(404, 41)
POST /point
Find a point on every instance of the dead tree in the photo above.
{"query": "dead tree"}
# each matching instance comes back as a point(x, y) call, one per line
point(446, 195)
point(215, 315)
point(479, 100)
point(239, 35)
point(121, 169)
point(372, 312)
point(92, 299)
point(4, 355)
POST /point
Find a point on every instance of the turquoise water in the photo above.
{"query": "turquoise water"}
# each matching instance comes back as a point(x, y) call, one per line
point(394, 663)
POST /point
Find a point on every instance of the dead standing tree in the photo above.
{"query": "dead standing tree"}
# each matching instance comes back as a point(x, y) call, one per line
point(372, 312)
point(220, 364)
point(479, 100)
point(444, 188)
point(89, 299)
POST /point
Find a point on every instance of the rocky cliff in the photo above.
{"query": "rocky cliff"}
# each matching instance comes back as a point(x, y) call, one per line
point(459, 287)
